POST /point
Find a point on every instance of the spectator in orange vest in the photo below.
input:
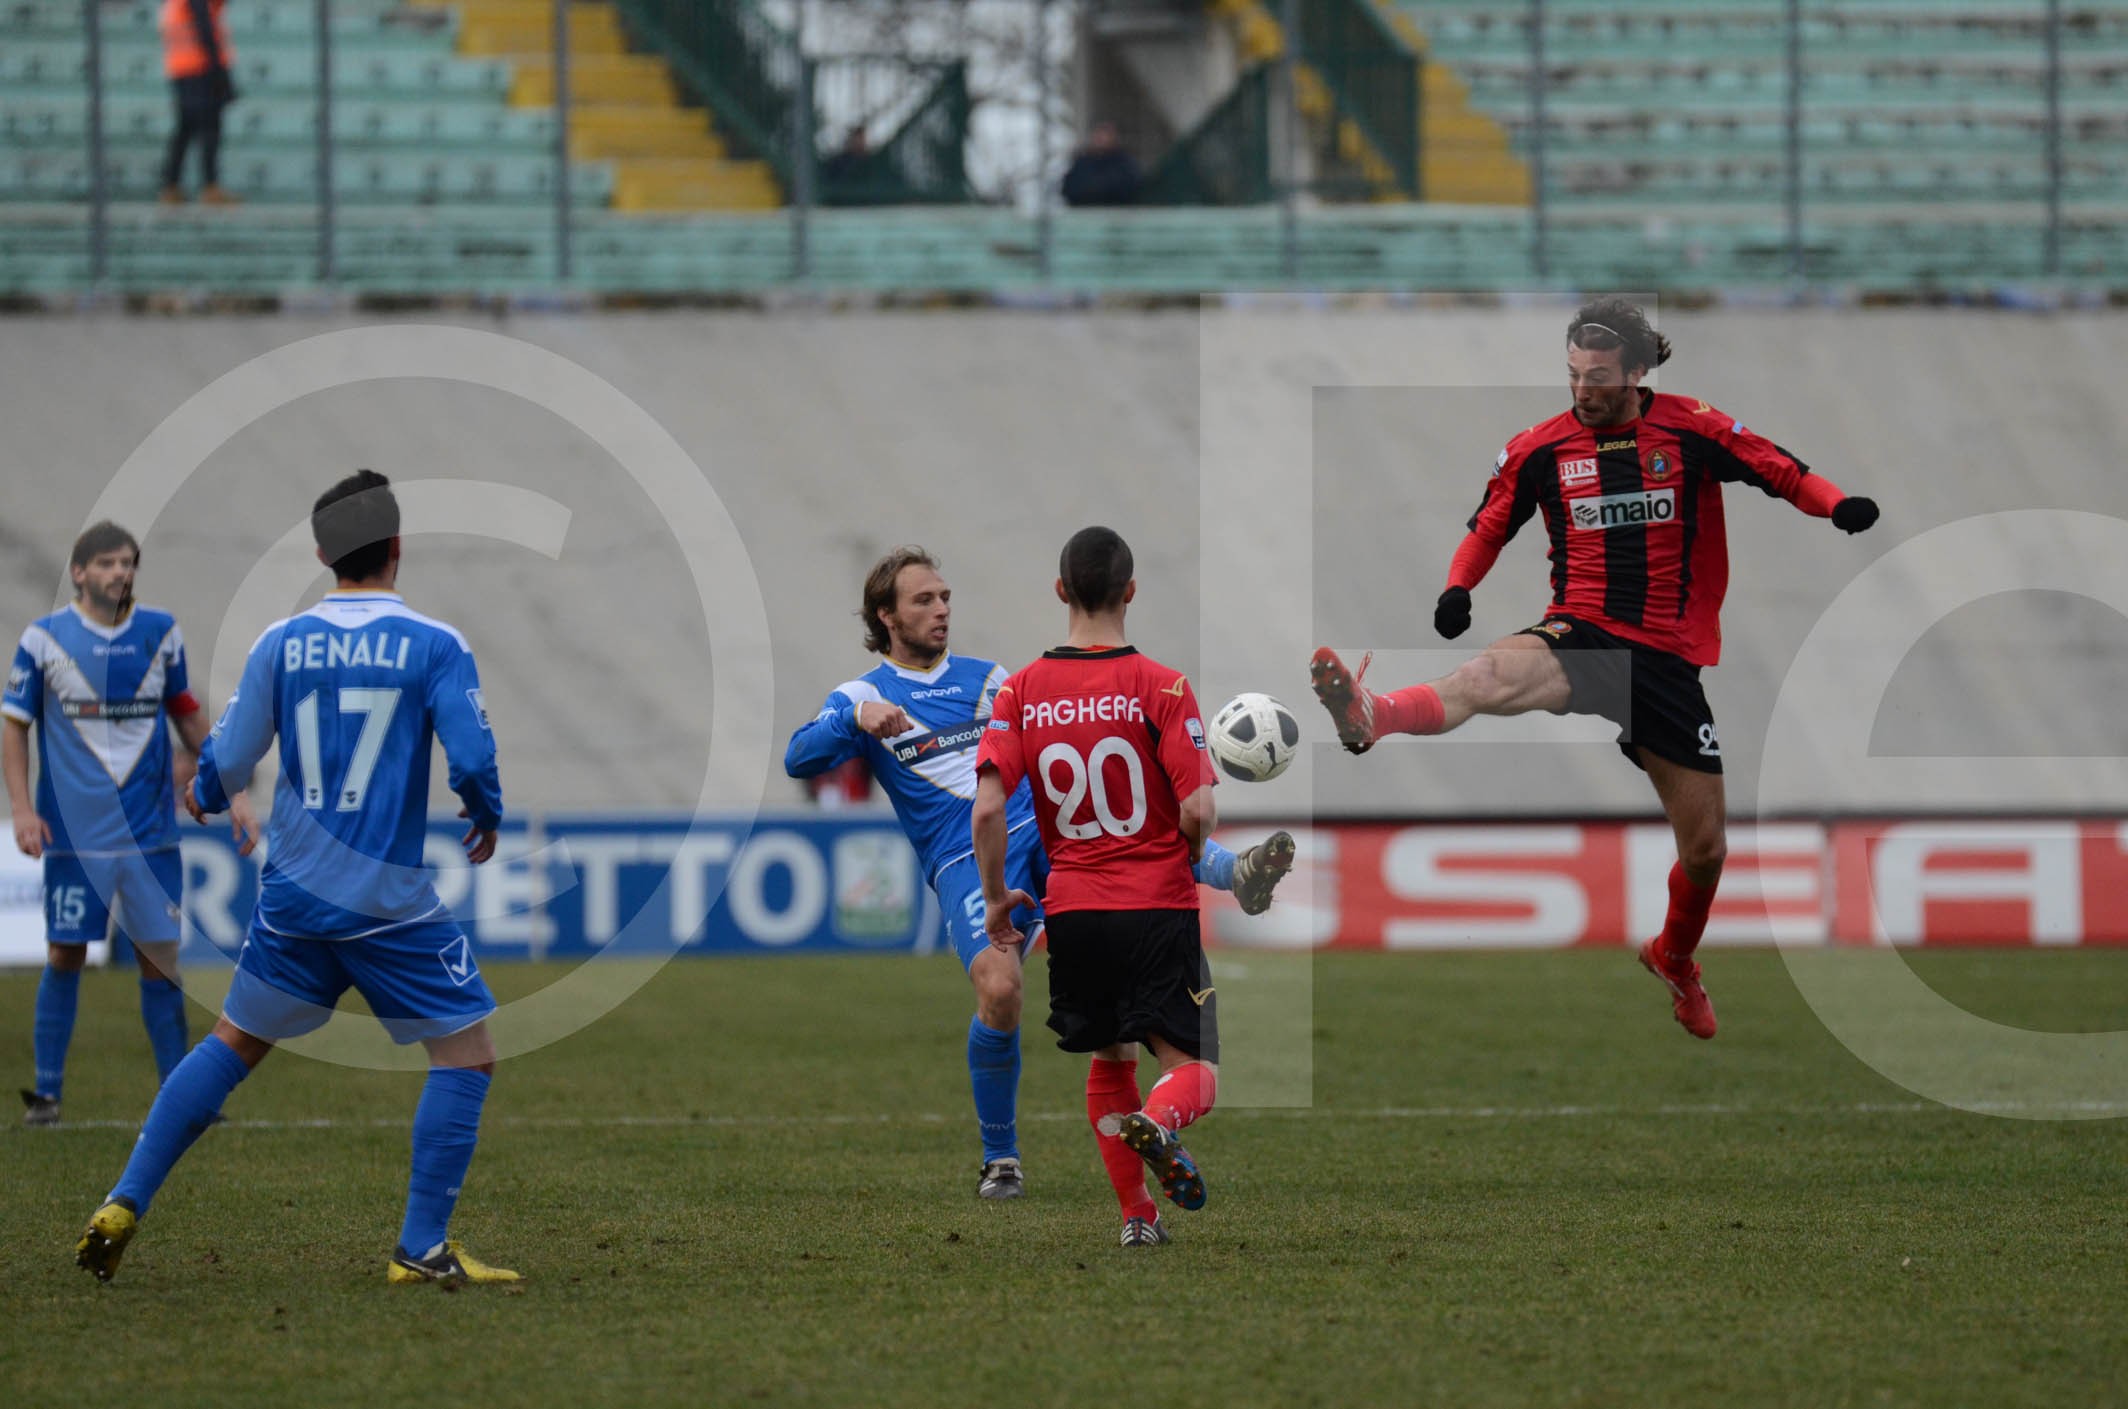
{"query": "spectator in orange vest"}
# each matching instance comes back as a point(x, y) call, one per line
point(196, 58)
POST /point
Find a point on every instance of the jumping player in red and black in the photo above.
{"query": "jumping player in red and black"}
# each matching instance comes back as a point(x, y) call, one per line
point(1629, 483)
point(1123, 795)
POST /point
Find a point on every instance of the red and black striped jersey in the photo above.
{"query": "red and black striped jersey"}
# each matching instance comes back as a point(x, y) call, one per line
point(1635, 515)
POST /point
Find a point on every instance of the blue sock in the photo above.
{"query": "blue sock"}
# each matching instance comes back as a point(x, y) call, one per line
point(58, 994)
point(162, 1012)
point(446, 1127)
point(191, 1097)
point(1217, 868)
point(994, 1072)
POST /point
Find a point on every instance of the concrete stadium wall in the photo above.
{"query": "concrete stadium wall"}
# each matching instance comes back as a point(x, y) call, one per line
point(1288, 476)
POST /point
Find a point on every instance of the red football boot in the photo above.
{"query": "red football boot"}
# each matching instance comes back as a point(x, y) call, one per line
point(1350, 703)
point(1695, 1011)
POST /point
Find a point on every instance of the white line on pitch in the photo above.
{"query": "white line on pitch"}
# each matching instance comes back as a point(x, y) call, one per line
point(2081, 1108)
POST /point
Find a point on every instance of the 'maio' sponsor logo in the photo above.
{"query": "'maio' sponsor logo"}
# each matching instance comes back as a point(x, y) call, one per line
point(1609, 511)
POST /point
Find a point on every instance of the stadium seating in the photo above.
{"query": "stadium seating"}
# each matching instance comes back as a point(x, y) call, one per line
point(1923, 142)
point(1914, 100)
point(434, 103)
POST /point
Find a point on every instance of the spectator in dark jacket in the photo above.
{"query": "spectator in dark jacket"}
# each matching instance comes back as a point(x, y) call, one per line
point(1102, 173)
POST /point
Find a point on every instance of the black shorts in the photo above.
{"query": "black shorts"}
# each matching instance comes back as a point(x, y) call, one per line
point(1126, 975)
point(1654, 696)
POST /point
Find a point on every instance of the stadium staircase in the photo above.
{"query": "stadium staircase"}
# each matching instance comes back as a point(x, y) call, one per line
point(625, 107)
point(1929, 102)
point(1404, 124)
point(436, 104)
point(1923, 145)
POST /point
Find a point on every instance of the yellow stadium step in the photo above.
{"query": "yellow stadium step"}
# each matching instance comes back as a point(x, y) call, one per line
point(487, 30)
point(625, 108)
point(603, 132)
point(665, 184)
point(1465, 157)
point(1457, 178)
point(595, 78)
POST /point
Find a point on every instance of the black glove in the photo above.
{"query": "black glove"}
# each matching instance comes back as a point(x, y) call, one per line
point(1451, 615)
point(1853, 514)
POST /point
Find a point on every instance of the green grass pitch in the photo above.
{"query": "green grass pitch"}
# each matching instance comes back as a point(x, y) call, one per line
point(1517, 1183)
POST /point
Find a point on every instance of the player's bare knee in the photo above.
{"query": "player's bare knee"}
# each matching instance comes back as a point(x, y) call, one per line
point(469, 1048)
point(997, 998)
point(252, 1050)
point(1480, 684)
point(1704, 856)
point(157, 959)
point(67, 958)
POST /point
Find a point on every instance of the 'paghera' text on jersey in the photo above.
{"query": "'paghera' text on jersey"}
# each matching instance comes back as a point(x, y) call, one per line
point(1112, 741)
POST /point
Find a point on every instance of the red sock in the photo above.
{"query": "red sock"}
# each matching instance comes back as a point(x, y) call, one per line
point(1112, 1089)
point(1182, 1095)
point(1415, 709)
point(1687, 920)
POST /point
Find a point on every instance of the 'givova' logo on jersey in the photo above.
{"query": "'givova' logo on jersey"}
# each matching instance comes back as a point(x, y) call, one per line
point(1611, 511)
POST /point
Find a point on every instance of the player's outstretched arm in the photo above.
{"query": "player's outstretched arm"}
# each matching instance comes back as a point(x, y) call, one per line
point(988, 833)
point(32, 834)
point(1746, 457)
point(827, 740)
point(243, 823)
point(1854, 514)
point(461, 716)
point(1474, 558)
point(191, 729)
point(241, 736)
point(1199, 815)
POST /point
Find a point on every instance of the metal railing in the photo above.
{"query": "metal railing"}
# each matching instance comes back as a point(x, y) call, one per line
point(1794, 143)
point(1374, 77)
point(1226, 158)
point(923, 109)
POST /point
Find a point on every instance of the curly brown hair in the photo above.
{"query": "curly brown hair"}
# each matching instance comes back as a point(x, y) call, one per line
point(1604, 323)
point(881, 592)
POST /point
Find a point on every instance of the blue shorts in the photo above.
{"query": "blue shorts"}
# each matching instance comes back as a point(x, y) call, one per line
point(147, 886)
point(960, 894)
point(422, 982)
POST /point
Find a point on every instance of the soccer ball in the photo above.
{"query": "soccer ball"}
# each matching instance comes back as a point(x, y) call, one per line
point(1254, 737)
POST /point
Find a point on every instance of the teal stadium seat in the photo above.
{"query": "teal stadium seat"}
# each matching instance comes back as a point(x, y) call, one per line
point(1923, 139)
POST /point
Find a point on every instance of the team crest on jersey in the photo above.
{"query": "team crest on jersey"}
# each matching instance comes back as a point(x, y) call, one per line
point(1658, 465)
point(1554, 629)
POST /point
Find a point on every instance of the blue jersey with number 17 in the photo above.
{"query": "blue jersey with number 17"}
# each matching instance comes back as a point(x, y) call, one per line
point(355, 688)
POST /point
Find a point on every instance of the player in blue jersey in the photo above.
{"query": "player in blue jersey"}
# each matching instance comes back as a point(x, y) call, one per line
point(354, 690)
point(102, 680)
point(917, 717)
